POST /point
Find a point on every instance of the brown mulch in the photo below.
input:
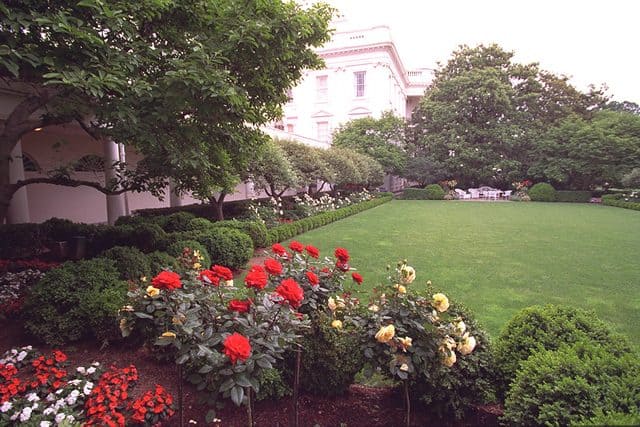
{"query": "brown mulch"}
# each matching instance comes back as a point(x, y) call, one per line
point(362, 406)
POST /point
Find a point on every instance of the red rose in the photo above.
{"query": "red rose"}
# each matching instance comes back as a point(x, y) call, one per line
point(279, 250)
point(222, 272)
point(208, 276)
point(273, 267)
point(241, 306)
point(312, 251)
point(342, 254)
point(256, 278)
point(313, 278)
point(342, 266)
point(296, 246)
point(167, 280)
point(236, 347)
point(356, 278)
point(291, 292)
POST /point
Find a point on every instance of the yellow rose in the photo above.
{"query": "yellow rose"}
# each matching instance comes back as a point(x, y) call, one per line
point(196, 253)
point(408, 274)
point(336, 324)
point(196, 266)
point(449, 359)
point(168, 335)
point(143, 279)
point(460, 327)
point(153, 292)
point(401, 289)
point(332, 304)
point(386, 333)
point(340, 302)
point(404, 367)
point(441, 302)
point(374, 308)
point(449, 342)
point(406, 342)
point(229, 283)
point(123, 324)
point(467, 345)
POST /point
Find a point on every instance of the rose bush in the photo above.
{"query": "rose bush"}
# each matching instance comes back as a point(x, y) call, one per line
point(421, 340)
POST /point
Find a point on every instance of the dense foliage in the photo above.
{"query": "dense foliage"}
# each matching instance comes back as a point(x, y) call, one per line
point(542, 192)
point(76, 301)
point(547, 328)
point(572, 383)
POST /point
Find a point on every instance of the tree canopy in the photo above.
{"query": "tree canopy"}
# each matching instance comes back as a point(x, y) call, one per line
point(483, 114)
point(382, 139)
point(186, 83)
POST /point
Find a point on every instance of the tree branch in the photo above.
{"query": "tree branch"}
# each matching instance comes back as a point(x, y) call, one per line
point(67, 182)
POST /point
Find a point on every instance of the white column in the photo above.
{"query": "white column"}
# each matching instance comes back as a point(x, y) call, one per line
point(174, 198)
point(115, 204)
point(19, 207)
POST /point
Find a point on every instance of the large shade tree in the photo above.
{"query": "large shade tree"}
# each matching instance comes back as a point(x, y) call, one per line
point(582, 154)
point(484, 113)
point(271, 171)
point(382, 139)
point(184, 82)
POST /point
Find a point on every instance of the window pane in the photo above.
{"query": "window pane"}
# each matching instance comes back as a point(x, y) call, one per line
point(322, 89)
point(359, 81)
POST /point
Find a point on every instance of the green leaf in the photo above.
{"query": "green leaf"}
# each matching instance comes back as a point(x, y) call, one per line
point(205, 369)
point(211, 414)
point(264, 363)
point(237, 395)
point(183, 358)
point(227, 385)
point(243, 381)
point(143, 315)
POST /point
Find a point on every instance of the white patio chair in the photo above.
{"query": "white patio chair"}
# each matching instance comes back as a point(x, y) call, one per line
point(492, 195)
point(474, 193)
point(462, 194)
point(507, 194)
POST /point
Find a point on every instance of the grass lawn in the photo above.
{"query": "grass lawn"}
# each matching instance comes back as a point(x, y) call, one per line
point(497, 258)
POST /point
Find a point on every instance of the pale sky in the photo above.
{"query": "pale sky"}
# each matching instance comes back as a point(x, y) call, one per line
point(590, 41)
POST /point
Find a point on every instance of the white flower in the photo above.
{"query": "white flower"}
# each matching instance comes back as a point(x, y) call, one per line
point(71, 400)
point(49, 411)
point(32, 397)
point(45, 423)
point(91, 370)
point(87, 388)
point(22, 355)
point(25, 414)
point(81, 370)
point(5, 407)
point(71, 419)
point(60, 417)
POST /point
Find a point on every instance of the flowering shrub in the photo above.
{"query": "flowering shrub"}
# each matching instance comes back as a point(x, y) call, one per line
point(223, 336)
point(415, 338)
point(13, 289)
point(16, 265)
point(522, 191)
point(40, 390)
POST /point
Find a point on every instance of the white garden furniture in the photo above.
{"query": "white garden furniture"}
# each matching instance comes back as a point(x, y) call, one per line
point(462, 194)
point(475, 193)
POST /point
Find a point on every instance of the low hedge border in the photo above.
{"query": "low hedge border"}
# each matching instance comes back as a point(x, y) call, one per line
point(573, 196)
point(292, 229)
point(617, 200)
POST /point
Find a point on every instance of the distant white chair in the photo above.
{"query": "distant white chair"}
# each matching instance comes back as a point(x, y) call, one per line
point(507, 194)
point(462, 194)
point(491, 194)
point(475, 193)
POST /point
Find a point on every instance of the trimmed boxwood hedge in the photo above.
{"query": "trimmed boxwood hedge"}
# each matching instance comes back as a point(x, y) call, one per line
point(573, 196)
point(255, 229)
point(542, 192)
point(287, 231)
point(617, 200)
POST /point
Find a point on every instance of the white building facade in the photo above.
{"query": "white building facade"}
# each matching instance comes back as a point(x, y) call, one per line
point(363, 77)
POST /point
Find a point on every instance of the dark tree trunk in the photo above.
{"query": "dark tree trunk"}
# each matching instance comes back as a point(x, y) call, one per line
point(217, 205)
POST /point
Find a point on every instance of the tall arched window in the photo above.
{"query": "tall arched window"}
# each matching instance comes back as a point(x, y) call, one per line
point(89, 163)
point(29, 164)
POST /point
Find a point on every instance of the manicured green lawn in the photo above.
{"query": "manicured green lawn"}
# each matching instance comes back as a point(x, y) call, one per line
point(500, 257)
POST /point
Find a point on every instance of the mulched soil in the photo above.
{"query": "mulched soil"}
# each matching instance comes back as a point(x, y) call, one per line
point(362, 406)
